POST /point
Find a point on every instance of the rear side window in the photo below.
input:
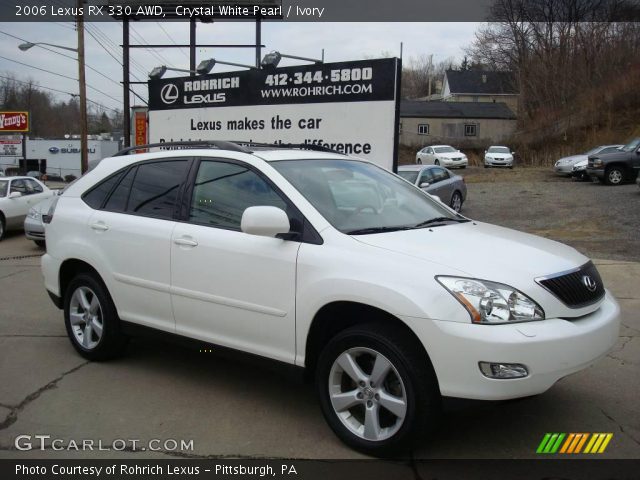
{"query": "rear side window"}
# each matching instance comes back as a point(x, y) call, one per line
point(155, 188)
point(118, 200)
point(33, 186)
point(97, 195)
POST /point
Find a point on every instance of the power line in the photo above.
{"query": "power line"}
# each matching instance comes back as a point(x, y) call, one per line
point(58, 91)
point(153, 52)
point(172, 40)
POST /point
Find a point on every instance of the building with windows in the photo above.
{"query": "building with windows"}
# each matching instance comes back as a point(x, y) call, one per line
point(461, 124)
point(480, 86)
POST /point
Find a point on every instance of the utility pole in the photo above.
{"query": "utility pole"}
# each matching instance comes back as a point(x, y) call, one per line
point(429, 75)
point(84, 133)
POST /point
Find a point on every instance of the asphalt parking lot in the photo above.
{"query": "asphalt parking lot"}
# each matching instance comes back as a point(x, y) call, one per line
point(233, 408)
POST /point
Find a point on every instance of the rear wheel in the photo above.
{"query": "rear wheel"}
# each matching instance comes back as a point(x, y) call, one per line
point(91, 319)
point(2, 226)
point(456, 201)
point(614, 175)
point(377, 390)
point(40, 243)
point(419, 161)
point(437, 162)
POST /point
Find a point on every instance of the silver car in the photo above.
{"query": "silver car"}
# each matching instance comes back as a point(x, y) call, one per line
point(33, 226)
point(564, 166)
point(437, 180)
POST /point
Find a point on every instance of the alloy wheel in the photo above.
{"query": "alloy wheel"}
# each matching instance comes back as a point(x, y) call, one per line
point(615, 176)
point(85, 315)
point(456, 202)
point(367, 394)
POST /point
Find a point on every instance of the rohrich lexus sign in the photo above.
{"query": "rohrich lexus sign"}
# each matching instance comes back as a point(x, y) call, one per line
point(350, 107)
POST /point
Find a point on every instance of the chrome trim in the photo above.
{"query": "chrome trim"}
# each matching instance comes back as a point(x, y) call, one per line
point(538, 280)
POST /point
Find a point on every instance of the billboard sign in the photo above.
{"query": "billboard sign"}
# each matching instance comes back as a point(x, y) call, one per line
point(14, 121)
point(350, 107)
point(10, 146)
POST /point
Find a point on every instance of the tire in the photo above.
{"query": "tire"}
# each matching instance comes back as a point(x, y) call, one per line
point(463, 167)
point(614, 175)
point(437, 162)
point(90, 343)
point(41, 243)
point(456, 201)
point(2, 226)
point(486, 166)
point(410, 386)
point(419, 161)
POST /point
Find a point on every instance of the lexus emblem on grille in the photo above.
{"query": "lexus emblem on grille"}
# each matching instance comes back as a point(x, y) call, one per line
point(169, 93)
point(590, 283)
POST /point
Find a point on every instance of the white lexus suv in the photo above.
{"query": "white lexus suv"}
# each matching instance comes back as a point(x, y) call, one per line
point(389, 299)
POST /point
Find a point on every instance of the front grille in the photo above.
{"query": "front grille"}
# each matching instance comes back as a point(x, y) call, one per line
point(572, 288)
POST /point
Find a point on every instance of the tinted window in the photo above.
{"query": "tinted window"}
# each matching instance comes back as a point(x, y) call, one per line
point(426, 176)
point(97, 195)
point(155, 188)
point(118, 200)
point(223, 191)
point(439, 174)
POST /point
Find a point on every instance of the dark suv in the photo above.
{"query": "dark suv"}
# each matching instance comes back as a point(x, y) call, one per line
point(618, 167)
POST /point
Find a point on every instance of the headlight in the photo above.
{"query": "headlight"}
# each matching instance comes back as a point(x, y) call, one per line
point(597, 163)
point(488, 158)
point(491, 302)
point(33, 214)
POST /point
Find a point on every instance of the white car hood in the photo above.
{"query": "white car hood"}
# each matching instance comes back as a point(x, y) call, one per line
point(498, 155)
point(481, 250)
point(450, 155)
point(572, 159)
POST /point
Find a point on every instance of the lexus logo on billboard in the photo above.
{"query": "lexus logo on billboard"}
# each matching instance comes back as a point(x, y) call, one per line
point(169, 93)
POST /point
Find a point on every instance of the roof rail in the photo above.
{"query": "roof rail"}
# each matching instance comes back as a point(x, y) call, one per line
point(234, 147)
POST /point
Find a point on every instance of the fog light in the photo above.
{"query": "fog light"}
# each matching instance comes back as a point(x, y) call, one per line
point(503, 370)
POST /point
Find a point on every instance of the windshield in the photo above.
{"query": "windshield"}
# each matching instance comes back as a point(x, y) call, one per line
point(409, 175)
point(498, 150)
point(630, 147)
point(357, 196)
point(3, 188)
point(444, 149)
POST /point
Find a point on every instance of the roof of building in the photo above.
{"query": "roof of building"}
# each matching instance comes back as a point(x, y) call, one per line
point(480, 82)
point(411, 108)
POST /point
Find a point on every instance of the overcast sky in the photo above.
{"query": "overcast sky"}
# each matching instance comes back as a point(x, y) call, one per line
point(341, 41)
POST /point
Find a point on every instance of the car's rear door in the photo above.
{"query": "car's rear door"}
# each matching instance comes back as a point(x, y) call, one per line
point(131, 231)
point(228, 287)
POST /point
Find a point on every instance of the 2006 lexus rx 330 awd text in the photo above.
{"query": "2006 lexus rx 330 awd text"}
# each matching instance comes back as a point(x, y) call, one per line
point(388, 298)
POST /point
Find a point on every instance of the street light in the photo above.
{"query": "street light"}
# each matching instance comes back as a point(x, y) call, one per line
point(204, 67)
point(84, 129)
point(271, 60)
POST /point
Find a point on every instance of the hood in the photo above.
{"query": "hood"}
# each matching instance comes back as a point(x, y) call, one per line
point(482, 251)
point(572, 159)
point(612, 156)
point(450, 155)
point(498, 155)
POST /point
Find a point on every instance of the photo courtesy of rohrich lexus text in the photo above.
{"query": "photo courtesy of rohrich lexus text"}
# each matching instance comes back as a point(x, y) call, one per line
point(318, 239)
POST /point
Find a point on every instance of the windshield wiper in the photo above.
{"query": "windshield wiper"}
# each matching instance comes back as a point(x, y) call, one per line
point(435, 220)
point(364, 231)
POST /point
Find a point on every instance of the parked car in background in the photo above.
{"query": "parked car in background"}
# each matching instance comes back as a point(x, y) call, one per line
point(35, 174)
point(17, 196)
point(444, 155)
point(436, 180)
point(618, 167)
point(33, 225)
point(564, 166)
point(498, 156)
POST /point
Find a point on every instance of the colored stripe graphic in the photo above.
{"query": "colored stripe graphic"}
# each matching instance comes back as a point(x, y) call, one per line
point(573, 443)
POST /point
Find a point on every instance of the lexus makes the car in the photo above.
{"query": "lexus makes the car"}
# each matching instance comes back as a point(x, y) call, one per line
point(444, 155)
point(497, 156)
point(387, 298)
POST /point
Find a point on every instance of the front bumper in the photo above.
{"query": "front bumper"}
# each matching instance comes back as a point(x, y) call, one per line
point(563, 169)
point(447, 162)
point(498, 162)
point(33, 229)
point(550, 349)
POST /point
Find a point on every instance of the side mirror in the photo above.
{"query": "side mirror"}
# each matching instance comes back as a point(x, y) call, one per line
point(264, 221)
point(486, 151)
point(424, 184)
point(15, 195)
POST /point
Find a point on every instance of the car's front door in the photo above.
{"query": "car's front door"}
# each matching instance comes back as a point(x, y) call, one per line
point(228, 287)
point(17, 207)
point(439, 184)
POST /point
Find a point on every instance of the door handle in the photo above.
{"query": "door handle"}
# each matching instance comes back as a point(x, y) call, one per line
point(99, 226)
point(186, 242)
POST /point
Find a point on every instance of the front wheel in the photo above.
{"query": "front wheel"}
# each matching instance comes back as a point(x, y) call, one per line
point(2, 226)
point(377, 388)
point(614, 176)
point(437, 162)
point(91, 319)
point(419, 161)
point(40, 243)
point(456, 201)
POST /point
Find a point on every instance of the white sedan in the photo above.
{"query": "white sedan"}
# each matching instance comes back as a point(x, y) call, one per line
point(444, 155)
point(17, 196)
point(497, 156)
